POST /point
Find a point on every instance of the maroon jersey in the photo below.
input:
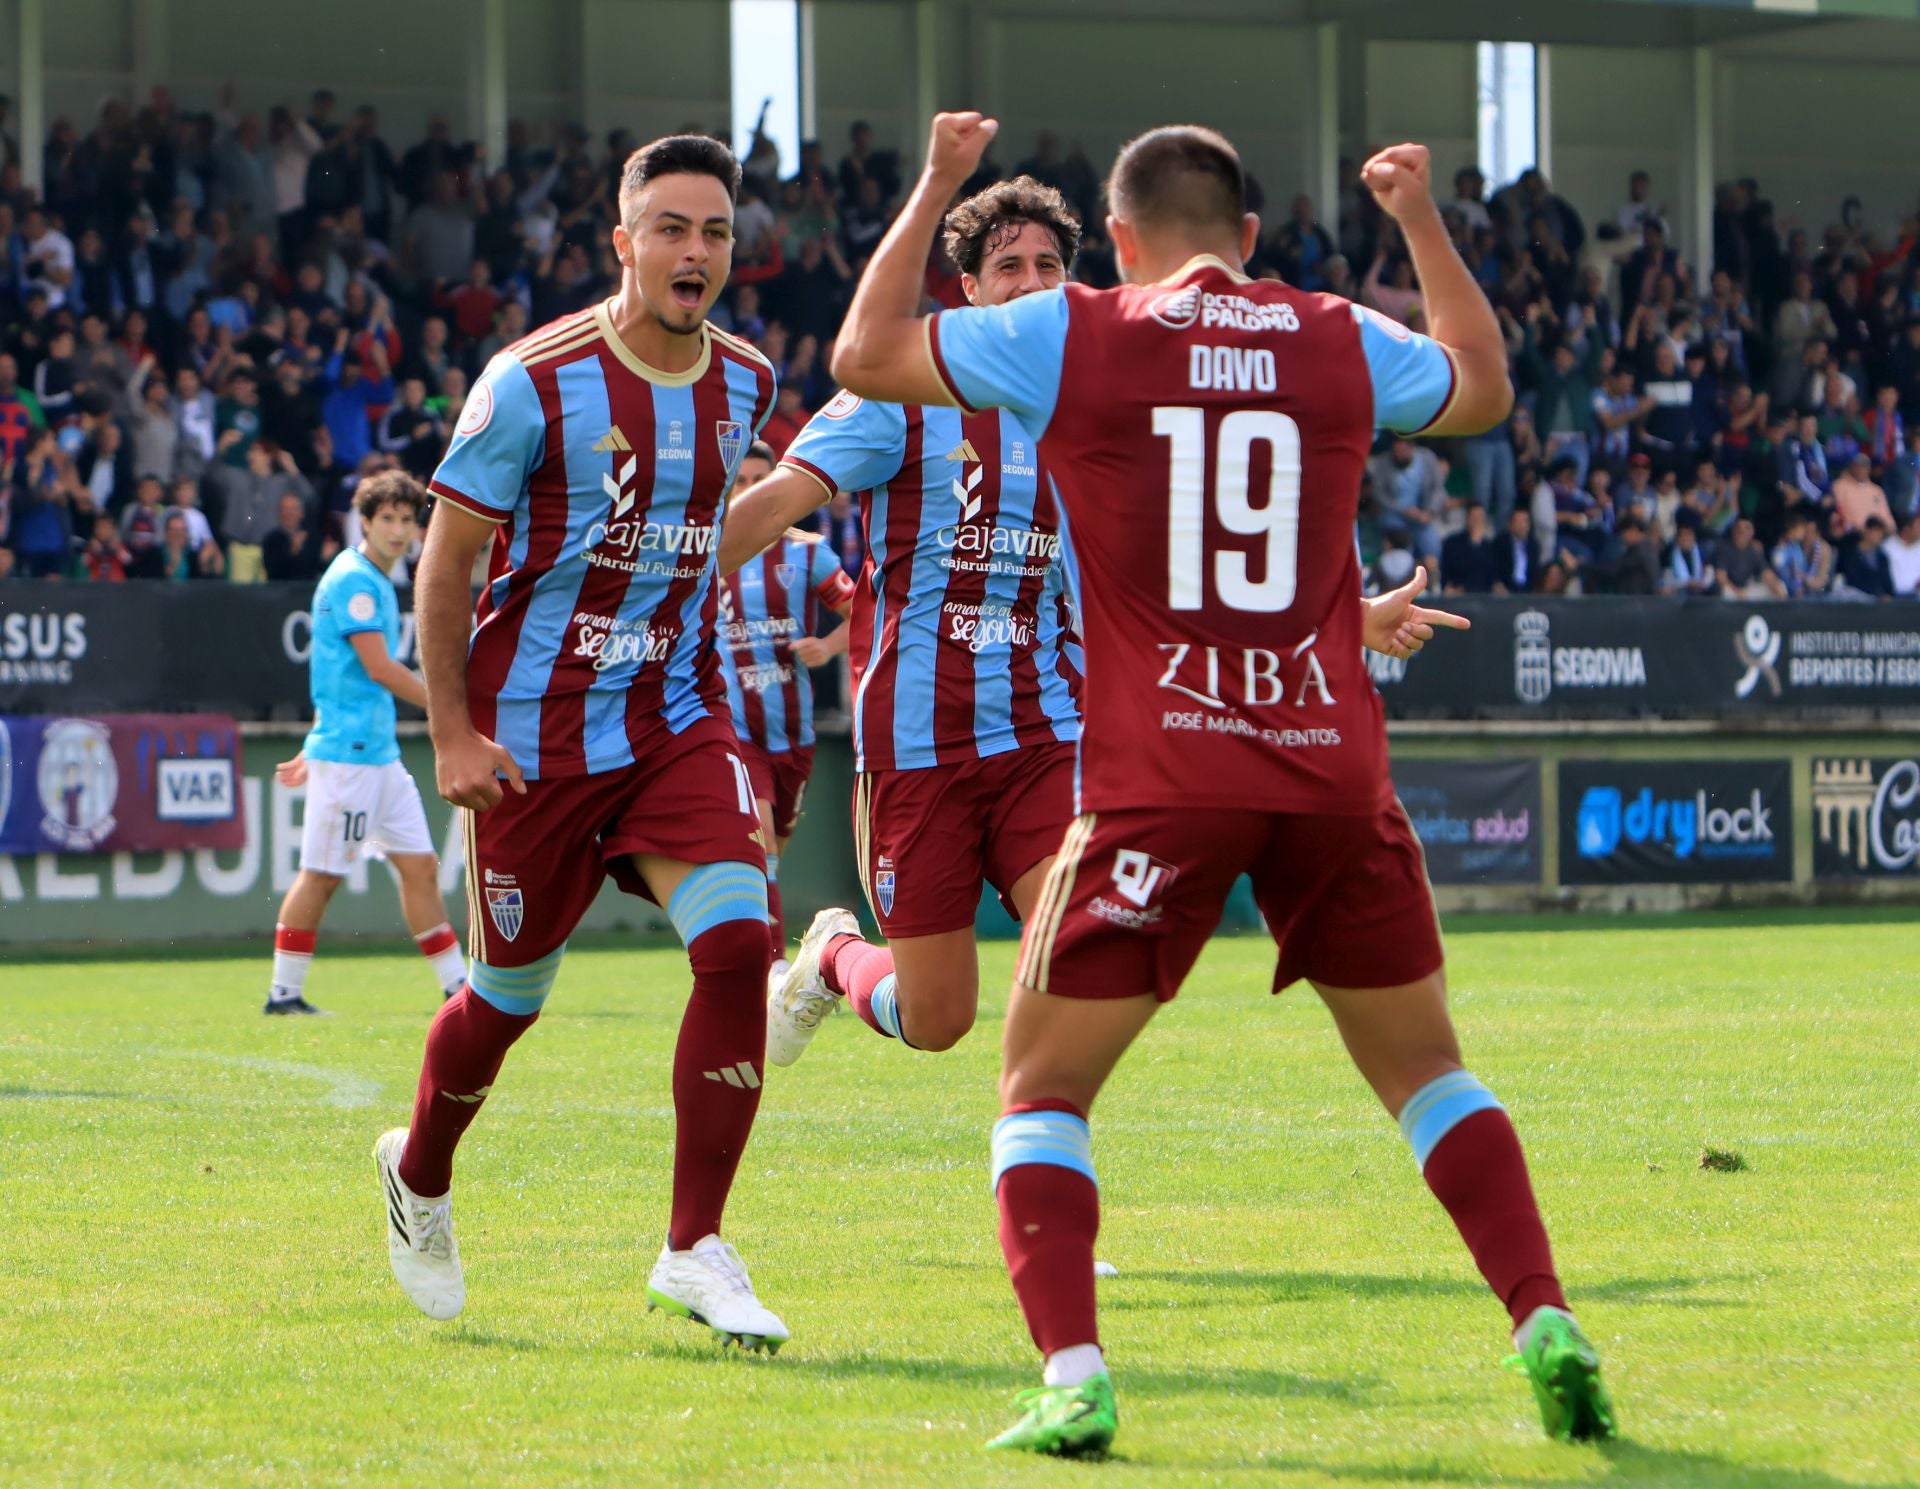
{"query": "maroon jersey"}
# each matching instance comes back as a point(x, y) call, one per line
point(1207, 437)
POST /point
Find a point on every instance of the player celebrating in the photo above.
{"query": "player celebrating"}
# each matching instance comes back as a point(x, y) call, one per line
point(967, 676)
point(768, 613)
point(360, 800)
point(1207, 433)
point(596, 455)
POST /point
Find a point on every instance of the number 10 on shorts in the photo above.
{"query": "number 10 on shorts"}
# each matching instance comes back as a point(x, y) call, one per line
point(743, 783)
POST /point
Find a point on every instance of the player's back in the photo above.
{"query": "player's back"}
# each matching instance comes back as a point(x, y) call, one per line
point(1208, 436)
point(353, 716)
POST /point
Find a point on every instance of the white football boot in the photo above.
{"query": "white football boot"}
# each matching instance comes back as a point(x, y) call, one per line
point(420, 1245)
point(708, 1283)
point(796, 1005)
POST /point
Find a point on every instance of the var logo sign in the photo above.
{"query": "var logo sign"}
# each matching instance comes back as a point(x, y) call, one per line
point(196, 791)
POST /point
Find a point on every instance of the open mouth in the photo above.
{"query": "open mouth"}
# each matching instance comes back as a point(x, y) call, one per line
point(688, 290)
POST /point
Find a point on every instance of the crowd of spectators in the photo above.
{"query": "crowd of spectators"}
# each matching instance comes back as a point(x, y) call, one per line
point(214, 325)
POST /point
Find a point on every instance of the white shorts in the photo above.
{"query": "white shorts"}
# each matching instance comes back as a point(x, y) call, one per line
point(355, 812)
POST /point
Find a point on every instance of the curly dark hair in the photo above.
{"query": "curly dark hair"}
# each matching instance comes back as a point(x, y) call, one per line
point(988, 220)
point(389, 488)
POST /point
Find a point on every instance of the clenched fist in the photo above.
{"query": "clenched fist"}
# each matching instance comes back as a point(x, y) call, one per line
point(1401, 180)
point(956, 145)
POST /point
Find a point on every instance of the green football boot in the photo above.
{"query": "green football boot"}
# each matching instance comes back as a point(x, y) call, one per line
point(1066, 1421)
point(1564, 1370)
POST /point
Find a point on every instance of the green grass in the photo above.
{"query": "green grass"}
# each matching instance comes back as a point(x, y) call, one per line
point(194, 1291)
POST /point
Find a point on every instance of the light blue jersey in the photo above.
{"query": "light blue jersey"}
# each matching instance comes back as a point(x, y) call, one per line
point(353, 717)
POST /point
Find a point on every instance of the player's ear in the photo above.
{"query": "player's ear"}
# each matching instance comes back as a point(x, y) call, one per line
point(1126, 249)
point(970, 287)
point(623, 245)
point(1249, 236)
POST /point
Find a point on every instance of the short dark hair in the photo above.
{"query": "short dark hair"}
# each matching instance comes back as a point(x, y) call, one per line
point(761, 450)
point(989, 219)
point(388, 488)
point(678, 155)
point(1179, 174)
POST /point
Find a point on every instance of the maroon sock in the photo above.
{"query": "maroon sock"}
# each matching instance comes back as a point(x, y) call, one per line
point(776, 923)
point(468, 1040)
point(717, 1066)
point(1479, 1173)
point(854, 968)
point(1049, 1220)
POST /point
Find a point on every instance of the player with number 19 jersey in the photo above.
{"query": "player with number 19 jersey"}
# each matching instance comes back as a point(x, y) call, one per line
point(1208, 435)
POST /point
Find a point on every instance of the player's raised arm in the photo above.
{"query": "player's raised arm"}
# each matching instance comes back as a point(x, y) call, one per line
point(1458, 315)
point(882, 349)
point(465, 761)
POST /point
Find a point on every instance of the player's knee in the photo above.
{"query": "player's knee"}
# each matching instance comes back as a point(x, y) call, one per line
point(318, 883)
point(718, 903)
point(938, 1025)
point(733, 950)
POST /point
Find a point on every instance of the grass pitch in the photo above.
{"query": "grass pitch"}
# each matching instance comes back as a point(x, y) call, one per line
point(194, 1289)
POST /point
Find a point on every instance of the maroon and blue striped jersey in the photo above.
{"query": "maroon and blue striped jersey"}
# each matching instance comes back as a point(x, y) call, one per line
point(608, 479)
point(962, 642)
point(765, 606)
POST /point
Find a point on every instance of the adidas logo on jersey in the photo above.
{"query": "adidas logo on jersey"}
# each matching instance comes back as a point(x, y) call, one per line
point(611, 442)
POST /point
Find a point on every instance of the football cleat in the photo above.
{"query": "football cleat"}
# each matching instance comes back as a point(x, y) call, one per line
point(1065, 1421)
point(797, 1004)
point(420, 1245)
point(291, 1005)
point(1564, 1370)
point(708, 1284)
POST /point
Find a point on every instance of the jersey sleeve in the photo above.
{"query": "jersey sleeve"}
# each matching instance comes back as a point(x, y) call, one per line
point(496, 445)
point(831, 584)
point(354, 600)
point(1005, 356)
point(1414, 379)
point(851, 444)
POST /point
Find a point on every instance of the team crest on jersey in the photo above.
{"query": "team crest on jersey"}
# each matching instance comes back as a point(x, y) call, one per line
point(840, 405)
point(883, 882)
point(1177, 310)
point(785, 573)
point(732, 435)
point(508, 911)
point(479, 410)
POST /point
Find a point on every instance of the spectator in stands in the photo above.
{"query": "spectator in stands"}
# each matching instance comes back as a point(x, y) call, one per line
point(414, 434)
point(177, 560)
point(1864, 572)
point(1804, 471)
point(789, 416)
point(1688, 572)
point(196, 416)
point(250, 505)
point(1741, 566)
point(1517, 562)
point(186, 504)
point(1563, 380)
point(20, 412)
point(1859, 499)
point(1303, 246)
point(290, 551)
point(55, 380)
point(42, 508)
point(143, 527)
point(1903, 556)
point(105, 559)
point(1413, 494)
point(1800, 320)
point(237, 419)
point(348, 399)
point(1886, 431)
point(1629, 560)
point(46, 258)
point(863, 162)
point(1467, 565)
point(1802, 559)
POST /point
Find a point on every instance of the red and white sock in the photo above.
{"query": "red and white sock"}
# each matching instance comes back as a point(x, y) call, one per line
point(442, 947)
point(292, 956)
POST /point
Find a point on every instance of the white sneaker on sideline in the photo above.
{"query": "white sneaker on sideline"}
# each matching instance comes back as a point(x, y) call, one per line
point(420, 1245)
point(797, 1004)
point(708, 1283)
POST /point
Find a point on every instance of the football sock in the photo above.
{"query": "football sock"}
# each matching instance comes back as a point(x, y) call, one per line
point(292, 956)
point(469, 1038)
point(863, 975)
point(1470, 1155)
point(1074, 1364)
point(720, 911)
point(1049, 1217)
point(717, 1065)
point(776, 926)
point(441, 947)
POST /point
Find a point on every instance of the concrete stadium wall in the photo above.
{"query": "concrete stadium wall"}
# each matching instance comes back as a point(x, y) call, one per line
point(1423, 91)
point(1617, 110)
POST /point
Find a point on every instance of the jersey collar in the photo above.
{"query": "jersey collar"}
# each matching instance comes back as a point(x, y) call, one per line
point(1206, 261)
point(603, 318)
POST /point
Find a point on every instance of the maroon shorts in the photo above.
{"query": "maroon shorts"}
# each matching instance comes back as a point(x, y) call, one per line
point(1135, 894)
point(780, 779)
point(535, 862)
point(926, 839)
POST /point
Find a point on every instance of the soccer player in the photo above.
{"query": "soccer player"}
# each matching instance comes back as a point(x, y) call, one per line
point(966, 671)
point(768, 614)
point(361, 802)
point(1207, 433)
point(583, 724)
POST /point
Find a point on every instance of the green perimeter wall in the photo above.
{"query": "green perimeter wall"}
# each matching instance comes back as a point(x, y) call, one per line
point(158, 898)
